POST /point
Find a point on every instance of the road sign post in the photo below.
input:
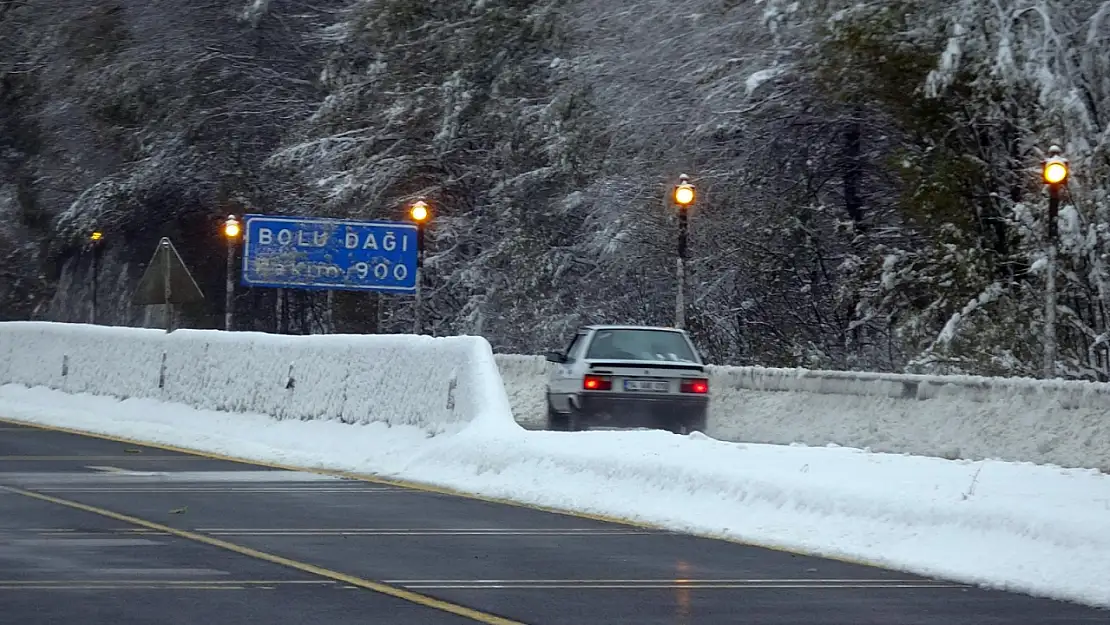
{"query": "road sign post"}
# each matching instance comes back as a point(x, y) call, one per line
point(329, 254)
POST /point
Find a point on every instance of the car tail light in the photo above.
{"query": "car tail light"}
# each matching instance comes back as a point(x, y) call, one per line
point(597, 383)
point(697, 386)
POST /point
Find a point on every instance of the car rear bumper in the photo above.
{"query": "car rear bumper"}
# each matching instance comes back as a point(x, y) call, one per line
point(642, 410)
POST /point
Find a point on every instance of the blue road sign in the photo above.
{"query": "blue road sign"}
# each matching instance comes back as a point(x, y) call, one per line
point(321, 253)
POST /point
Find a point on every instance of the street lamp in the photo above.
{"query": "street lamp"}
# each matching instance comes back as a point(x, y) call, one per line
point(231, 227)
point(1055, 168)
point(232, 230)
point(95, 238)
point(419, 212)
point(683, 196)
point(1055, 172)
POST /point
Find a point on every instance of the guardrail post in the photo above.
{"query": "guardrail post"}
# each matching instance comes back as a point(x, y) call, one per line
point(909, 389)
point(452, 384)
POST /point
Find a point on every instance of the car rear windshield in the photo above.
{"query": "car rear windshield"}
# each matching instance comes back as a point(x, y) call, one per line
point(640, 345)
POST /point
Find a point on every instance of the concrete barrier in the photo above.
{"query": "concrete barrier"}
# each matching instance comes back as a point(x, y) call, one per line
point(432, 383)
point(444, 383)
point(967, 417)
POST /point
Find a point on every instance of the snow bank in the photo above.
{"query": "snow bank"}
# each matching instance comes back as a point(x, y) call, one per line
point(431, 383)
point(1020, 527)
point(525, 379)
point(1047, 422)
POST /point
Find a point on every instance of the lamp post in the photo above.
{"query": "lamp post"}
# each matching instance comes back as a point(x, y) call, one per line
point(684, 196)
point(419, 212)
point(232, 230)
point(95, 238)
point(1055, 172)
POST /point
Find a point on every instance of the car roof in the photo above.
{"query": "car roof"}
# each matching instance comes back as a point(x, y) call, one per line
point(632, 327)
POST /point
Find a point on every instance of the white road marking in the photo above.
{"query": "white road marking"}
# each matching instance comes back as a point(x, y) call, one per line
point(126, 476)
point(707, 586)
point(427, 532)
point(214, 489)
point(106, 469)
point(152, 573)
point(66, 541)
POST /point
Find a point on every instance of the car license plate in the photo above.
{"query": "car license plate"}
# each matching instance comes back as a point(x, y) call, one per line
point(652, 386)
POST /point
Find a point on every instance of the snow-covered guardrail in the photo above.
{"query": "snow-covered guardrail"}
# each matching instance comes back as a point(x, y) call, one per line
point(440, 383)
point(1070, 393)
point(432, 383)
point(1042, 421)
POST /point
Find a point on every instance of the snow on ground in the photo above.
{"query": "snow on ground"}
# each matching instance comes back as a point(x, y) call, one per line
point(1037, 529)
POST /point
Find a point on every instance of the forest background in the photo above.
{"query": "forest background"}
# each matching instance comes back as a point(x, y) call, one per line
point(868, 173)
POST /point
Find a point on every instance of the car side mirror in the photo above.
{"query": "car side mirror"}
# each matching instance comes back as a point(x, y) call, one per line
point(558, 357)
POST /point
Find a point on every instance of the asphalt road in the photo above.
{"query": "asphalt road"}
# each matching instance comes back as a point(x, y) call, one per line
point(112, 533)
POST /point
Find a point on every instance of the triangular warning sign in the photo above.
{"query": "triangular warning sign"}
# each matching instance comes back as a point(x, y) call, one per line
point(165, 267)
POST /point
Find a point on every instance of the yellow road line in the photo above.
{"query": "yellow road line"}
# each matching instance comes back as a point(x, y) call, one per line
point(385, 589)
point(430, 488)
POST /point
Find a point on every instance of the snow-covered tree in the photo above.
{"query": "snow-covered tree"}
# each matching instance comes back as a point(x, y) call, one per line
point(868, 172)
point(979, 91)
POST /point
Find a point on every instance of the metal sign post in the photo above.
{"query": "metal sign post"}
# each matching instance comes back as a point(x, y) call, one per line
point(167, 288)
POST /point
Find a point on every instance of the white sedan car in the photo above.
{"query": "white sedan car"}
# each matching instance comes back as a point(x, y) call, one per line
point(628, 376)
